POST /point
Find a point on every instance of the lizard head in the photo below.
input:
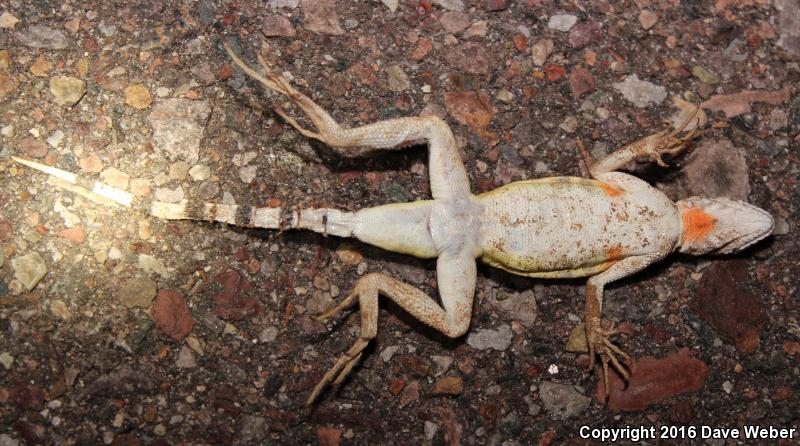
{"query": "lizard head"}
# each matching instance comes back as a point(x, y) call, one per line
point(721, 225)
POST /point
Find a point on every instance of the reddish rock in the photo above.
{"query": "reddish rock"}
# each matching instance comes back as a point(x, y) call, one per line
point(397, 386)
point(791, 347)
point(448, 386)
point(232, 303)
point(150, 414)
point(657, 332)
point(8, 84)
point(590, 58)
point(90, 164)
point(488, 413)
point(329, 436)
point(520, 42)
point(413, 363)
point(277, 25)
point(172, 315)
point(126, 439)
point(30, 433)
point(546, 439)
point(311, 326)
point(653, 381)
point(410, 393)
point(581, 82)
point(424, 46)
point(319, 16)
point(74, 234)
point(585, 33)
point(470, 57)
point(454, 21)
point(554, 72)
point(788, 25)
point(224, 72)
point(453, 429)
point(647, 18)
point(33, 147)
point(242, 254)
point(471, 108)
point(497, 5)
point(5, 230)
point(364, 74)
point(27, 396)
point(765, 30)
point(725, 302)
point(736, 104)
point(783, 393)
point(534, 371)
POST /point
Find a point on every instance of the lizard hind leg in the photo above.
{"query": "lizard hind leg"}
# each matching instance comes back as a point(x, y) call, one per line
point(275, 82)
point(368, 302)
point(597, 337)
point(452, 320)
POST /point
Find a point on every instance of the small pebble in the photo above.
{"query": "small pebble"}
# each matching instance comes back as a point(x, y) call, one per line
point(268, 334)
point(138, 96)
point(541, 51)
point(498, 339)
point(29, 269)
point(641, 93)
point(647, 18)
point(186, 359)
point(248, 173)
point(6, 360)
point(169, 195)
point(200, 172)
point(8, 131)
point(562, 22)
point(7, 20)
point(67, 90)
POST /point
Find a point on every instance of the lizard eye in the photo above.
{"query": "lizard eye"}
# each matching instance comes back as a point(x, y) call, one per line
point(721, 225)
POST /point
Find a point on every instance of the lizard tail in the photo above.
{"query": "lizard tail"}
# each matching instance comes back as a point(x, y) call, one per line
point(102, 193)
point(325, 221)
point(94, 190)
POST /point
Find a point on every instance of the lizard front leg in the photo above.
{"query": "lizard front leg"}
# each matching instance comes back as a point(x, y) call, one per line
point(447, 173)
point(456, 276)
point(669, 142)
point(596, 336)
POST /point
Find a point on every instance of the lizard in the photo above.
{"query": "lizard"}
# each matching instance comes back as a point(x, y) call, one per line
point(604, 228)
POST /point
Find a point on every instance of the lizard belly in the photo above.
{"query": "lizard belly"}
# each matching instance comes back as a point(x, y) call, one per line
point(571, 227)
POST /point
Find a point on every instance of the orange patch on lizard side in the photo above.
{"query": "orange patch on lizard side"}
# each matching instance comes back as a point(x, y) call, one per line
point(614, 253)
point(696, 224)
point(610, 190)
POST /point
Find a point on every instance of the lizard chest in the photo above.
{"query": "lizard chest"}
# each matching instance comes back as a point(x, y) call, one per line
point(570, 227)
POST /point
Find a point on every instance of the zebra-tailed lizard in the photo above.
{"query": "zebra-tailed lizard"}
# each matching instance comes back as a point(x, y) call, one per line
point(605, 227)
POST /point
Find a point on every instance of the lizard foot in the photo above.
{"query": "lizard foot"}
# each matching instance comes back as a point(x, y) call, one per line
point(667, 142)
point(340, 369)
point(599, 344)
point(346, 303)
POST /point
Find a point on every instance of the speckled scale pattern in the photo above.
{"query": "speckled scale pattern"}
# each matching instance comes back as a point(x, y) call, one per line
point(573, 227)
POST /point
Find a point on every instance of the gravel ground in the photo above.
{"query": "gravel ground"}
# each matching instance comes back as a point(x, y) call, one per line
point(118, 328)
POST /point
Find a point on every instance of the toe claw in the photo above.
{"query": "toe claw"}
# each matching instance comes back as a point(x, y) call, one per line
point(599, 344)
point(339, 370)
